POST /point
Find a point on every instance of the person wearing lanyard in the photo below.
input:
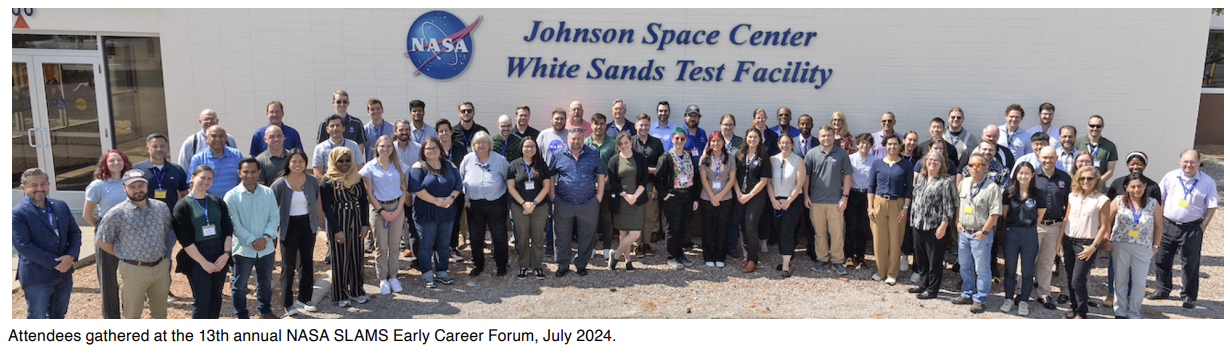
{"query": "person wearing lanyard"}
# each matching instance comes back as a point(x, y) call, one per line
point(1087, 224)
point(605, 145)
point(223, 159)
point(528, 186)
point(167, 182)
point(384, 178)
point(1135, 238)
point(45, 250)
point(910, 153)
point(202, 224)
point(1011, 135)
point(375, 128)
point(753, 174)
point(408, 152)
point(483, 178)
point(717, 170)
point(1136, 163)
point(1105, 154)
point(858, 225)
point(453, 152)
point(103, 193)
point(1189, 198)
point(254, 213)
point(505, 142)
point(436, 184)
point(827, 194)
point(981, 203)
point(676, 180)
point(733, 144)
point(889, 193)
point(418, 129)
point(956, 134)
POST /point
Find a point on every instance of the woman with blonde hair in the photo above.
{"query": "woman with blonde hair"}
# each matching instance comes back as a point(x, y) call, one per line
point(384, 178)
point(344, 197)
point(844, 138)
point(1086, 225)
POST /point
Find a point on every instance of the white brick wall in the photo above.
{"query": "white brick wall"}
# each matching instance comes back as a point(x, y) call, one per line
point(1139, 69)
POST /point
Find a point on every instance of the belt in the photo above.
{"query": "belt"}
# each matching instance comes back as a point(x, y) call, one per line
point(394, 201)
point(481, 201)
point(1049, 222)
point(1184, 224)
point(143, 263)
point(861, 191)
point(887, 197)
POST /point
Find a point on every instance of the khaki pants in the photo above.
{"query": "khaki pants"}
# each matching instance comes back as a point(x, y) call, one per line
point(139, 284)
point(1048, 241)
point(650, 223)
point(387, 239)
point(830, 223)
point(888, 235)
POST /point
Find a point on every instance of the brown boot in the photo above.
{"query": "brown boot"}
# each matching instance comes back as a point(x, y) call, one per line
point(749, 266)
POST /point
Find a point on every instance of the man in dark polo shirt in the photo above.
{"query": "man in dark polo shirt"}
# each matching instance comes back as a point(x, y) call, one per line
point(1053, 184)
point(829, 174)
point(273, 159)
point(1105, 154)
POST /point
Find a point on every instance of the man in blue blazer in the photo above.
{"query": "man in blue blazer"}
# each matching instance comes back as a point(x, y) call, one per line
point(47, 241)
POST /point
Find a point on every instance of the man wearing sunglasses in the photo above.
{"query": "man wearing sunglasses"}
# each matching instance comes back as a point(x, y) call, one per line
point(887, 121)
point(783, 127)
point(465, 129)
point(1105, 154)
point(352, 127)
point(980, 207)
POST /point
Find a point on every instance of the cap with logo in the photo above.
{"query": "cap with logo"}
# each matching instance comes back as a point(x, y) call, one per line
point(134, 175)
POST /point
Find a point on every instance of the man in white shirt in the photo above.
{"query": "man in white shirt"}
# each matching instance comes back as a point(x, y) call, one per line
point(1046, 115)
point(1011, 135)
point(197, 142)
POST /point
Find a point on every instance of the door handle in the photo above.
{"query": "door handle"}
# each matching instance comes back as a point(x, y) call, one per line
point(30, 136)
point(46, 131)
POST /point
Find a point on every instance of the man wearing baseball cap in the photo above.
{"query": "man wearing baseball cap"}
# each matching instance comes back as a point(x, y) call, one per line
point(134, 231)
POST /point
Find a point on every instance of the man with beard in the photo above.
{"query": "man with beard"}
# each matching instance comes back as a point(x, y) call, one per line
point(135, 232)
point(47, 242)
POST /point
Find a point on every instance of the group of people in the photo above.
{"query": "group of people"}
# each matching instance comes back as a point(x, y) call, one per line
point(612, 185)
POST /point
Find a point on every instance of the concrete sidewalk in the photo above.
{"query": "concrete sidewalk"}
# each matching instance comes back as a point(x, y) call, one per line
point(86, 257)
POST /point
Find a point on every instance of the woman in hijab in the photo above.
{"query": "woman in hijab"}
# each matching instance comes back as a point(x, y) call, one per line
point(344, 197)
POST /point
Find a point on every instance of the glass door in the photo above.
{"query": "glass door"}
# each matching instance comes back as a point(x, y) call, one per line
point(60, 120)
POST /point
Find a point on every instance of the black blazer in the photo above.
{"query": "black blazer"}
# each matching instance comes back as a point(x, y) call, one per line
point(664, 178)
point(613, 187)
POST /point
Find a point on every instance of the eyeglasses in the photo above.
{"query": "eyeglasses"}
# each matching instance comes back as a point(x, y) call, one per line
point(467, 111)
point(1087, 178)
point(783, 115)
point(976, 166)
point(1092, 126)
point(956, 117)
point(342, 102)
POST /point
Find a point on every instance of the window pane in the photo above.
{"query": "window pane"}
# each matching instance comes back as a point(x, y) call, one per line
point(70, 42)
point(1214, 71)
point(138, 100)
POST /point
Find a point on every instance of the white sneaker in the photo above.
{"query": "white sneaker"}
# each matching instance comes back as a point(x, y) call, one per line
point(764, 246)
point(606, 254)
point(385, 289)
point(876, 278)
point(362, 299)
point(891, 281)
point(709, 264)
point(1007, 307)
point(915, 277)
point(720, 264)
point(395, 284)
point(305, 307)
point(905, 263)
point(1023, 309)
point(291, 312)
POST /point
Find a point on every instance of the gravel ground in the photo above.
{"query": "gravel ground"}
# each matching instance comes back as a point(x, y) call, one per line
point(654, 291)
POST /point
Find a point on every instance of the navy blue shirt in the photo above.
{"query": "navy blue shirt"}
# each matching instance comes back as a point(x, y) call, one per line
point(438, 185)
point(171, 178)
point(1054, 191)
point(895, 180)
point(576, 179)
point(291, 140)
point(769, 141)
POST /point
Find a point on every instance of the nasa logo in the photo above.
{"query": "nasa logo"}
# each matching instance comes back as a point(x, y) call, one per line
point(555, 146)
point(440, 45)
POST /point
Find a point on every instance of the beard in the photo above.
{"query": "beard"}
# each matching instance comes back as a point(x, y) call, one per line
point(403, 138)
point(139, 197)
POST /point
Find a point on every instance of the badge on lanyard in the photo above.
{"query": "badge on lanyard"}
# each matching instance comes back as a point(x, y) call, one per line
point(1133, 233)
point(160, 194)
point(1183, 203)
point(529, 185)
point(969, 209)
point(717, 184)
point(208, 230)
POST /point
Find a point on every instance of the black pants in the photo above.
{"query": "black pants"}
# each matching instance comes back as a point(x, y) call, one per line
point(929, 258)
point(453, 243)
point(1186, 241)
point(997, 246)
point(750, 214)
point(858, 226)
point(297, 256)
point(786, 221)
point(678, 212)
point(1078, 273)
point(716, 223)
point(489, 215)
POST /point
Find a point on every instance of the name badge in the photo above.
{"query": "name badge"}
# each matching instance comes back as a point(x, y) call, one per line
point(529, 185)
point(969, 209)
point(695, 152)
point(717, 185)
point(209, 230)
point(160, 194)
point(1183, 203)
point(1097, 163)
point(1133, 233)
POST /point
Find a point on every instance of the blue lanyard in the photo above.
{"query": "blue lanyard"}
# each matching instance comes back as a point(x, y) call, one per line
point(1094, 149)
point(1187, 191)
point(204, 209)
point(467, 137)
point(954, 137)
point(1136, 212)
point(973, 191)
point(419, 134)
point(527, 172)
point(1010, 138)
point(160, 175)
point(505, 149)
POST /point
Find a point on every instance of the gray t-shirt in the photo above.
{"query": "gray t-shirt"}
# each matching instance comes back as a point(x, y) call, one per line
point(271, 166)
point(824, 172)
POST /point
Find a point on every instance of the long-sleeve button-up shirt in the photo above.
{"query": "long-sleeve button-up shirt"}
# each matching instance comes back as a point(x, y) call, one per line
point(253, 214)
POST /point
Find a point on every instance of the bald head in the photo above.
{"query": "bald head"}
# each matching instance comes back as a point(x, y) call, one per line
point(274, 138)
point(216, 136)
point(576, 113)
point(207, 118)
point(505, 124)
point(1189, 162)
point(1047, 157)
point(990, 132)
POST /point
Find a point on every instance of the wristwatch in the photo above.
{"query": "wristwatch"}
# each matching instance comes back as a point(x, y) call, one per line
point(905, 207)
point(845, 195)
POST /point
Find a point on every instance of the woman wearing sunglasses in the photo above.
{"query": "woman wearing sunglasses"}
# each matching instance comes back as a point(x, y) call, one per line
point(1087, 226)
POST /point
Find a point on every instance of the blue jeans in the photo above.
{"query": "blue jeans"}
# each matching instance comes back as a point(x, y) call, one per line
point(974, 255)
point(264, 288)
point(50, 300)
point(433, 244)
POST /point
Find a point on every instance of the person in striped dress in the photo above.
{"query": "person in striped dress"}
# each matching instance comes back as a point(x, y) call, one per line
point(345, 197)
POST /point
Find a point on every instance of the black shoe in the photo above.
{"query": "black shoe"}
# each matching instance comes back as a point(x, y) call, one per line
point(476, 271)
point(563, 270)
point(916, 290)
point(582, 272)
point(1094, 304)
point(327, 260)
point(628, 266)
point(1062, 299)
point(1158, 296)
point(501, 272)
point(926, 295)
point(1120, 317)
point(610, 262)
point(538, 274)
point(1189, 304)
point(521, 273)
point(1046, 303)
